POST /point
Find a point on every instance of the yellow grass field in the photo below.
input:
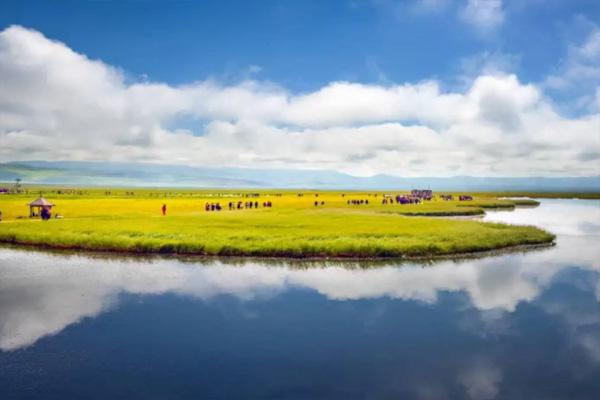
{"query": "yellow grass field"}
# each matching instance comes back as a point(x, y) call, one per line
point(130, 220)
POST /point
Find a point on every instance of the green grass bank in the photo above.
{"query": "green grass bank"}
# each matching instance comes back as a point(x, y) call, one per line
point(131, 221)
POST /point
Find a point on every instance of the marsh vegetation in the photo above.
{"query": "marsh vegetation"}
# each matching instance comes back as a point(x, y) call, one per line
point(299, 224)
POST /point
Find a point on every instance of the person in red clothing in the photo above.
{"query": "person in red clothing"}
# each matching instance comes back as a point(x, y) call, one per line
point(164, 209)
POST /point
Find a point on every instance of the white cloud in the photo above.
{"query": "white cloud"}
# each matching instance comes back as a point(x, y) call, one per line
point(485, 15)
point(581, 68)
point(57, 104)
point(481, 380)
point(590, 50)
point(488, 63)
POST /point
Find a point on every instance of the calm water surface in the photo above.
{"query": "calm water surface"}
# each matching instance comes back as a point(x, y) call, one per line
point(518, 326)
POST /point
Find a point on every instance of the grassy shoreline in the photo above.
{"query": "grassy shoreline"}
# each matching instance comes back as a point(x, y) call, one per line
point(128, 222)
point(526, 237)
point(275, 260)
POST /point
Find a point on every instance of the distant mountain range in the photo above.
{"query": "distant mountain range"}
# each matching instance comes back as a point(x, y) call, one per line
point(130, 174)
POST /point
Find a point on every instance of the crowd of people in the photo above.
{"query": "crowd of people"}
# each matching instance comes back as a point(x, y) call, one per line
point(356, 202)
point(240, 205)
point(416, 197)
point(401, 199)
point(462, 197)
point(213, 207)
point(423, 194)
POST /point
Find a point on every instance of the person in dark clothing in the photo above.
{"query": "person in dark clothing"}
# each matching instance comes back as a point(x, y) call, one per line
point(164, 209)
point(45, 214)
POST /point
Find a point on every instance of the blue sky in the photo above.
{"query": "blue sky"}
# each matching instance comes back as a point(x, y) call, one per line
point(303, 44)
point(401, 84)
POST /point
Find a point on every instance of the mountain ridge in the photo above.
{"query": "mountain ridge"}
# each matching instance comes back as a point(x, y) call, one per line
point(91, 173)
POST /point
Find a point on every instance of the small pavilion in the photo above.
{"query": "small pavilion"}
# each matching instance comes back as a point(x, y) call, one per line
point(36, 206)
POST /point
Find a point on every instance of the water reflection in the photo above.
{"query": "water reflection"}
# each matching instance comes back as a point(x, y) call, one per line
point(40, 293)
point(562, 217)
point(475, 301)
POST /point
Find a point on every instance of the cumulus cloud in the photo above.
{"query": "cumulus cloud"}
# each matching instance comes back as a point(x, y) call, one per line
point(579, 74)
point(56, 104)
point(485, 15)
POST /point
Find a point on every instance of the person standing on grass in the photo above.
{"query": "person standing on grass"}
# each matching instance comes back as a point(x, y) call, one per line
point(0, 215)
point(45, 214)
point(164, 209)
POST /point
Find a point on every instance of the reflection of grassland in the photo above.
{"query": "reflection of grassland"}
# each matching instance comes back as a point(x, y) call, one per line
point(294, 227)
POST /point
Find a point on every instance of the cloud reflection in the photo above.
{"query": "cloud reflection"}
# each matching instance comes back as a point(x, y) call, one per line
point(481, 380)
point(41, 294)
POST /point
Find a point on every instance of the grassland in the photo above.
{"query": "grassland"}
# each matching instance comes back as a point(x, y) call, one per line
point(124, 220)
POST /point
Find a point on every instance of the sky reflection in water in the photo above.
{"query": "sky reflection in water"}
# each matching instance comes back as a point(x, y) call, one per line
point(510, 326)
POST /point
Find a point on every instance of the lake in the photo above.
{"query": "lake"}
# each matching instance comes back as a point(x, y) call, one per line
point(512, 326)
